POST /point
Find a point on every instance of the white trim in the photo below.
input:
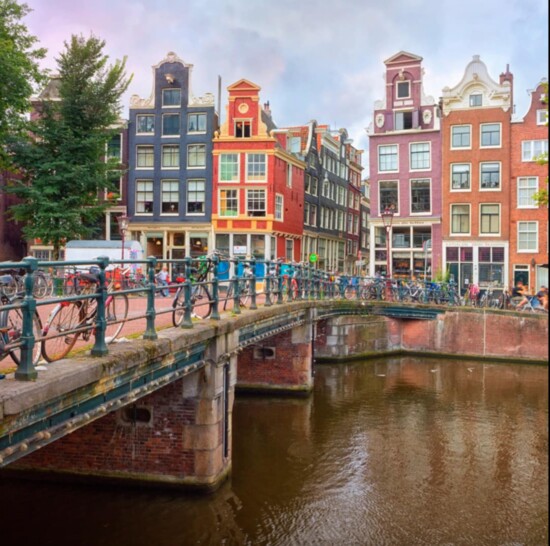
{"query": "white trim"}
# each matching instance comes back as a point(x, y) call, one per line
point(542, 117)
point(453, 190)
point(398, 213)
point(238, 179)
point(176, 135)
point(462, 233)
point(528, 250)
point(171, 168)
point(423, 169)
point(149, 116)
point(451, 147)
point(378, 158)
point(481, 163)
point(162, 97)
point(534, 205)
point(220, 215)
point(196, 167)
point(282, 218)
point(481, 125)
point(254, 181)
point(147, 168)
point(415, 214)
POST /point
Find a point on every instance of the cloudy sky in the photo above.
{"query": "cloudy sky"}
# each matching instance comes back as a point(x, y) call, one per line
point(313, 59)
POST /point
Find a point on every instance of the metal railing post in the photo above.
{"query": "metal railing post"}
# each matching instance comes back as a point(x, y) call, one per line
point(252, 285)
point(299, 281)
point(150, 313)
point(267, 283)
point(100, 347)
point(187, 287)
point(26, 371)
point(236, 291)
point(279, 284)
point(215, 315)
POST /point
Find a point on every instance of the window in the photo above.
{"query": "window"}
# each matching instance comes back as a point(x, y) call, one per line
point(313, 216)
point(460, 176)
point(279, 207)
point(420, 156)
point(527, 236)
point(461, 136)
point(229, 202)
point(145, 124)
point(170, 196)
point(229, 167)
point(170, 156)
point(460, 219)
point(255, 202)
point(289, 175)
point(542, 117)
point(403, 120)
point(490, 219)
point(403, 90)
point(114, 148)
point(196, 197)
point(243, 129)
point(387, 158)
point(144, 196)
point(490, 135)
point(256, 167)
point(196, 123)
point(476, 99)
point(388, 195)
point(491, 265)
point(420, 196)
point(171, 97)
point(196, 155)
point(170, 124)
point(289, 249)
point(490, 176)
point(527, 187)
point(307, 183)
point(532, 149)
point(145, 157)
point(307, 212)
point(314, 185)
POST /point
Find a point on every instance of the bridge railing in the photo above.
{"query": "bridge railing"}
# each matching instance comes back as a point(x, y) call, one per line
point(202, 287)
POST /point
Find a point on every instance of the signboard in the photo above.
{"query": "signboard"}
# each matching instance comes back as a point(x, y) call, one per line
point(239, 249)
point(313, 257)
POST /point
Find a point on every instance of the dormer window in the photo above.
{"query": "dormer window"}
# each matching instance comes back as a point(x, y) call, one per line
point(403, 90)
point(171, 97)
point(403, 120)
point(243, 129)
point(476, 99)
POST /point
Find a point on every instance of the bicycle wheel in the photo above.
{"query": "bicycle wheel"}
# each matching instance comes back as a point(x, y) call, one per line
point(350, 293)
point(116, 312)
point(178, 314)
point(59, 335)
point(40, 287)
point(201, 300)
point(10, 288)
point(245, 293)
point(14, 324)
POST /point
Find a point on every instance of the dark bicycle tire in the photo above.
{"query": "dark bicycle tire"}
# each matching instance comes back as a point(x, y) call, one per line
point(13, 320)
point(178, 314)
point(65, 318)
point(116, 313)
point(40, 286)
point(245, 294)
point(10, 289)
point(201, 300)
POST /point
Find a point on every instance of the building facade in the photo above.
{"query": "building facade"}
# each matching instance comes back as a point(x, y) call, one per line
point(476, 120)
point(258, 182)
point(170, 164)
point(405, 174)
point(528, 220)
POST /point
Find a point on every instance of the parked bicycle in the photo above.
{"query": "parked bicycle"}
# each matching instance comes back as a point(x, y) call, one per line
point(14, 283)
point(72, 319)
point(11, 326)
point(243, 283)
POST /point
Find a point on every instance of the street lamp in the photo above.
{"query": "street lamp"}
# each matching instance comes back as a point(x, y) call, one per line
point(387, 219)
point(123, 221)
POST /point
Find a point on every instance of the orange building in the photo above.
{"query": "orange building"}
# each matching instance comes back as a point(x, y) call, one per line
point(476, 178)
point(529, 222)
point(258, 182)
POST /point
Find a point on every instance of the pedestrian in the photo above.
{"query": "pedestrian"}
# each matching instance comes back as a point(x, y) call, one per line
point(520, 290)
point(162, 280)
point(542, 296)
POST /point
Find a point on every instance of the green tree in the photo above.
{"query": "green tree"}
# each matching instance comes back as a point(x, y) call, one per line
point(541, 197)
point(19, 72)
point(62, 166)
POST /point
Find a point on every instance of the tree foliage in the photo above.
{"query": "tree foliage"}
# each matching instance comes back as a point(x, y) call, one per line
point(541, 197)
point(19, 71)
point(62, 165)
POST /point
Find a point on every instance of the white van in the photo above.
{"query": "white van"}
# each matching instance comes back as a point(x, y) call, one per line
point(91, 250)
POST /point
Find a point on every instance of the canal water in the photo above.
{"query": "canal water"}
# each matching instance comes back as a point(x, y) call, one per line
point(386, 452)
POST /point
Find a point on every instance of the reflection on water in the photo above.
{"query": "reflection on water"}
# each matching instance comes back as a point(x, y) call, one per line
point(393, 451)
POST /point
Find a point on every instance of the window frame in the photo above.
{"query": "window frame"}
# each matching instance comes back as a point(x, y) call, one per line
point(469, 146)
point(171, 181)
point(453, 233)
point(249, 191)
point(279, 215)
point(485, 146)
point(490, 233)
point(237, 177)
point(175, 105)
point(533, 204)
point(197, 115)
point(142, 148)
point(528, 250)
point(461, 190)
point(162, 156)
point(380, 208)
point(254, 179)
point(409, 89)
point(145, 191)
point(171, 135)
point(226, 199)
point(190, 148)
point(423, 213)
point(533, 158)
point(481, 164)
point(378, 156)
point(188, 191)
point(429, 152)
point(149, 116)
point(474, 95)
point(542, 116)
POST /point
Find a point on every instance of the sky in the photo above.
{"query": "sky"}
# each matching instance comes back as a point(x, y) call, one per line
point(313, 59)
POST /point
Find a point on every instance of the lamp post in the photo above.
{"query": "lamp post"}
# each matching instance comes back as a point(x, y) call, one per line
point(123, 221)
point(387, 219)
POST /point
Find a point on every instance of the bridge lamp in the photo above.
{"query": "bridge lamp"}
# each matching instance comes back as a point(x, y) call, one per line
point(123, 222)
point(387, 219)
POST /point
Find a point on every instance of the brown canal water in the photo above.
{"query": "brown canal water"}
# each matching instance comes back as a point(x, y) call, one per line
point(386, 452)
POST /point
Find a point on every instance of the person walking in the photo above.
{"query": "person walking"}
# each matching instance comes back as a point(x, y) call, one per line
point(162, 280)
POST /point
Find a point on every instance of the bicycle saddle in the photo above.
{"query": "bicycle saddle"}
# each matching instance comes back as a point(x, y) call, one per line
point(90, 277)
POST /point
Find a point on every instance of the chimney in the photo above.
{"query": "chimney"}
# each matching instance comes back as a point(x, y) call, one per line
point(508, 77)
point(267, 110)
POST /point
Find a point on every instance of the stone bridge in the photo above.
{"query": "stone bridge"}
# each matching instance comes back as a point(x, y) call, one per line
point(159, 412)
